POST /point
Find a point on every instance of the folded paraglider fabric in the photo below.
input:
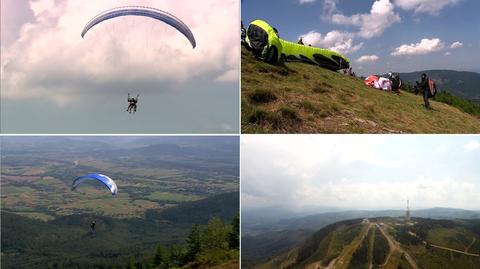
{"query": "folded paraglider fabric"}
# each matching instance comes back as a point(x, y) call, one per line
point(378, 82)
point(371, 80)
point(266, 44)
point(384, 84)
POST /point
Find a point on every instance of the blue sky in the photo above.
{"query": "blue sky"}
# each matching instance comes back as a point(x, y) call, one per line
point(55, 81)
point(360, 171)
point(388, 33)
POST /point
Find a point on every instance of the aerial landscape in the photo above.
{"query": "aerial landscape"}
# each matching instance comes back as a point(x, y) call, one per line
point(177, 203)
point(360, 202)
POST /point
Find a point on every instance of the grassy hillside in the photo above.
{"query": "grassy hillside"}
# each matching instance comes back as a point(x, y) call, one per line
point(256, 249)
point(301, 98)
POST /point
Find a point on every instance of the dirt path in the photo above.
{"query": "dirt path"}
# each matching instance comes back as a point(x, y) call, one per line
point(396, 246)
point(344, 258)
point(471, 244)
point(455, 250)
point(391, 244)
point(339, 261)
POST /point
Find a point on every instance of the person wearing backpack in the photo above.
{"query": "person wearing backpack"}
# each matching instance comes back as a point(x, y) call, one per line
point(424, 86)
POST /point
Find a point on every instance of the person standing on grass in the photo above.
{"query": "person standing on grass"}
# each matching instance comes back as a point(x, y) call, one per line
point(424, 86)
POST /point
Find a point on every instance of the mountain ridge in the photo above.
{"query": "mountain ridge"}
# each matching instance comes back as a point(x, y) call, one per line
point(463, 84)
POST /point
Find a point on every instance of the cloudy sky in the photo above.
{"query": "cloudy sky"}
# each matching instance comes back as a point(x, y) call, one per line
point(54, 81)
point(383, 35)
point(360, 171)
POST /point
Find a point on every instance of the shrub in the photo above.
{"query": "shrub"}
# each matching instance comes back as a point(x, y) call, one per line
point(260, 96)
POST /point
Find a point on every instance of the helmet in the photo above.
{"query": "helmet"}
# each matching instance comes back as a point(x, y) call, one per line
point(390, 74)
point(424, 76)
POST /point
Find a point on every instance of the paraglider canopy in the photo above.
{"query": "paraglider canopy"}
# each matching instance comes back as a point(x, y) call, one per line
point(266, 45)
point(145, 12)
point(105, 180)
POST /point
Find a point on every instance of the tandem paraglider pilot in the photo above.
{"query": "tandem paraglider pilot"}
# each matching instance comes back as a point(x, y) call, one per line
point(132, 104)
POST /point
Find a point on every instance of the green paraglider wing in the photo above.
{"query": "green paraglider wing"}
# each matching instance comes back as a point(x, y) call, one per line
point(322, 57)
point(142, 11)
point(264, 40)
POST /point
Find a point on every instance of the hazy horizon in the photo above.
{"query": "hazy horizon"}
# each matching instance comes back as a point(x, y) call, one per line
point(329, 210)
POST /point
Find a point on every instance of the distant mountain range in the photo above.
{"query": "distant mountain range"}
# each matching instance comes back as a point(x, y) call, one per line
point(254, 224)
point(459, 83)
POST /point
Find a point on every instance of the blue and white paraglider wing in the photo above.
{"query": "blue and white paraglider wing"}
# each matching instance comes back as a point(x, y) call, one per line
point(105, 180)
point(142, 11)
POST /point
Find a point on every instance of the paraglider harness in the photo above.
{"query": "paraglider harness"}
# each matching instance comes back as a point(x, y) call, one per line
point(132, 104)
point(432, 88)
point(243, 35)
point(263, 41)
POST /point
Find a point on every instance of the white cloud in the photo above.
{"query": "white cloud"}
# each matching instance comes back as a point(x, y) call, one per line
point(432, 7)
point(306, 1)
point(423, 192)
point(329, 8)
point(228, 76)
point(50, 59)
point(381, 17)
point(456, 45)
point(341, 42)
point(356, 172)
point(424, 47)
point(367, 59)
point(472, 145)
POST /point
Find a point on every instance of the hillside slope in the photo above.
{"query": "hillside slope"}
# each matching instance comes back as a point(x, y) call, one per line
point(301, 98)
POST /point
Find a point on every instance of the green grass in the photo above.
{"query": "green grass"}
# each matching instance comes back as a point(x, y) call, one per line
point(456, 238)
point(301, 98)
point(16, 190)
point(172, 197)
point(36, 215)
point(140, 189)
point(441, 259)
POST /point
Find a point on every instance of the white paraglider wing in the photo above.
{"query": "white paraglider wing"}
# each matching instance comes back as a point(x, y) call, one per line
point(145, 12)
